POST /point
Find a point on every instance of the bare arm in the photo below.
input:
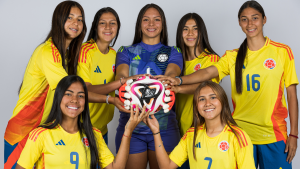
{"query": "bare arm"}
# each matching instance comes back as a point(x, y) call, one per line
point(99, 98)
point(185, 89)
point(162, 156)
point(122, 71)
point(196, 77)
point(19, 167)
point(291, 143)
point(104, 88)
point(122, 156)
point(172, 70)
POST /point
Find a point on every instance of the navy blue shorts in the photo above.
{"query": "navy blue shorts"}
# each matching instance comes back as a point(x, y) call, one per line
point(142, 142)
point(271, 156)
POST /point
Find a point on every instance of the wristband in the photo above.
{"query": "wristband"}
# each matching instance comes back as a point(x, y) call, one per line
point(121, 80)
point(293, 136)
point(107, 99)
point(156, 133)
point(179, 79)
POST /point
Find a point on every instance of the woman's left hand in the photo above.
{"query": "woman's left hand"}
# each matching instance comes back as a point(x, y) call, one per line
point(135, 118)
point(290, 148)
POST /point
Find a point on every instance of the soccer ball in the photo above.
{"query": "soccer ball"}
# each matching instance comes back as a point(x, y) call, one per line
point(146, 91)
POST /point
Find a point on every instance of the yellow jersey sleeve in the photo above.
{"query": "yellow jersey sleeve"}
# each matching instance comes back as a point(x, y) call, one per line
point(83, 68)
point(52, 67)
point(105, 155)
point(180, 153)
point(243, 151)
point(33, 148)
point(290, 76)
point(223, 66)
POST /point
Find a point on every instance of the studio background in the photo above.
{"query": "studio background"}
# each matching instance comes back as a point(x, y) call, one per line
point(25, 25)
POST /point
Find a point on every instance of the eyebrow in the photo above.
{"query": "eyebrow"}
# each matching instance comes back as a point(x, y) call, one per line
point(154, 16)
point(109, 20)
point(251, 15)
point(192, 26)
point(209, 95)
point(74, 15)
point(73, 92)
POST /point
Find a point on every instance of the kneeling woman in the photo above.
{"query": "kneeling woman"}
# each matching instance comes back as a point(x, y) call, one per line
point(67, 139)
point(217, 143)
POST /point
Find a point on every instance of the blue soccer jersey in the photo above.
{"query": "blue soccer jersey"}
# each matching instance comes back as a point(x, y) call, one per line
point(139, 57)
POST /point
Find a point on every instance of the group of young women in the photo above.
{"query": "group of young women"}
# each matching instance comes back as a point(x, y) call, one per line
point(67, 96)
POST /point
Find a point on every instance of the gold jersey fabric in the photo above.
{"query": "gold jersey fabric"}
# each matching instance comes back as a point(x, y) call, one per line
point(43, 72)
point(98, 68)
point(184, 102)
point(57, 149)
point(222, 151)
point(261, 108)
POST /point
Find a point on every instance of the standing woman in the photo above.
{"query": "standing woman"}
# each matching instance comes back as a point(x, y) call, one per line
point(149, 50)
point(51, 61)
point(96, 65)
point(259, 70)
point(197, 53)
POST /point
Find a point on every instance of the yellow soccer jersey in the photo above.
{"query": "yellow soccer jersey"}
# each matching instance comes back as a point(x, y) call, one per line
point(57, 149)
point(261, 108)
point(184, 102)
point(44, 70)
point(97, 68)
point(222, 151)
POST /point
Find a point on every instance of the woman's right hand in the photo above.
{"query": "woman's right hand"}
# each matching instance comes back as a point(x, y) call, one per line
point(173, 81)
point(135, 119)
point(152, 123)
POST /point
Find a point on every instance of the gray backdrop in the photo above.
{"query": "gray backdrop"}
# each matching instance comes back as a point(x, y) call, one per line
point(25, 24)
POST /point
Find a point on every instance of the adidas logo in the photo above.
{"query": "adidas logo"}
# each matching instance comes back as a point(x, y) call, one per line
point(198, 145)
point(61, 142)
point(137, 58)
point(97, 70)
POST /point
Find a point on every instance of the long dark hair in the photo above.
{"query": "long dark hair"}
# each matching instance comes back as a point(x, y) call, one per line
point(226, 117)
point(202, 36)
point(83, 122)
point(240, 59)
point(94, 29)
point(59, 35)
point(138, 31)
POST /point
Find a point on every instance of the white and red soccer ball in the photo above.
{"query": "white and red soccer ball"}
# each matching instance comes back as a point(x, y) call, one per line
point(146, 91)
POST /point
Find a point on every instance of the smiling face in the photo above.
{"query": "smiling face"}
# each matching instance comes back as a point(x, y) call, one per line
point(107, 27)
point(252, 22)
point(190, 33)
point(74, 23)
point(72, 103)
point(151, 25)
point(209, 105)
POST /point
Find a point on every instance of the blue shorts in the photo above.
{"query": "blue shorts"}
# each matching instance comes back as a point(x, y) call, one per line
point(142, 142)
point(270, 156)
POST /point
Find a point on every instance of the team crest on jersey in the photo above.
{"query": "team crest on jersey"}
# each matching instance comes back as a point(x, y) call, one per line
point(114, 68)
point(85, 141)
point(163, 57)
point(197, 67)
point(223, 146)
point(269, 64)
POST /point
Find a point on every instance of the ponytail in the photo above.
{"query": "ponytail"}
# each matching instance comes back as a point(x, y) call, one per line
point(239, 63)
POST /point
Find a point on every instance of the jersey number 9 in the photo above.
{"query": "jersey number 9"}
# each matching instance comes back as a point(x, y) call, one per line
point(76, 161)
